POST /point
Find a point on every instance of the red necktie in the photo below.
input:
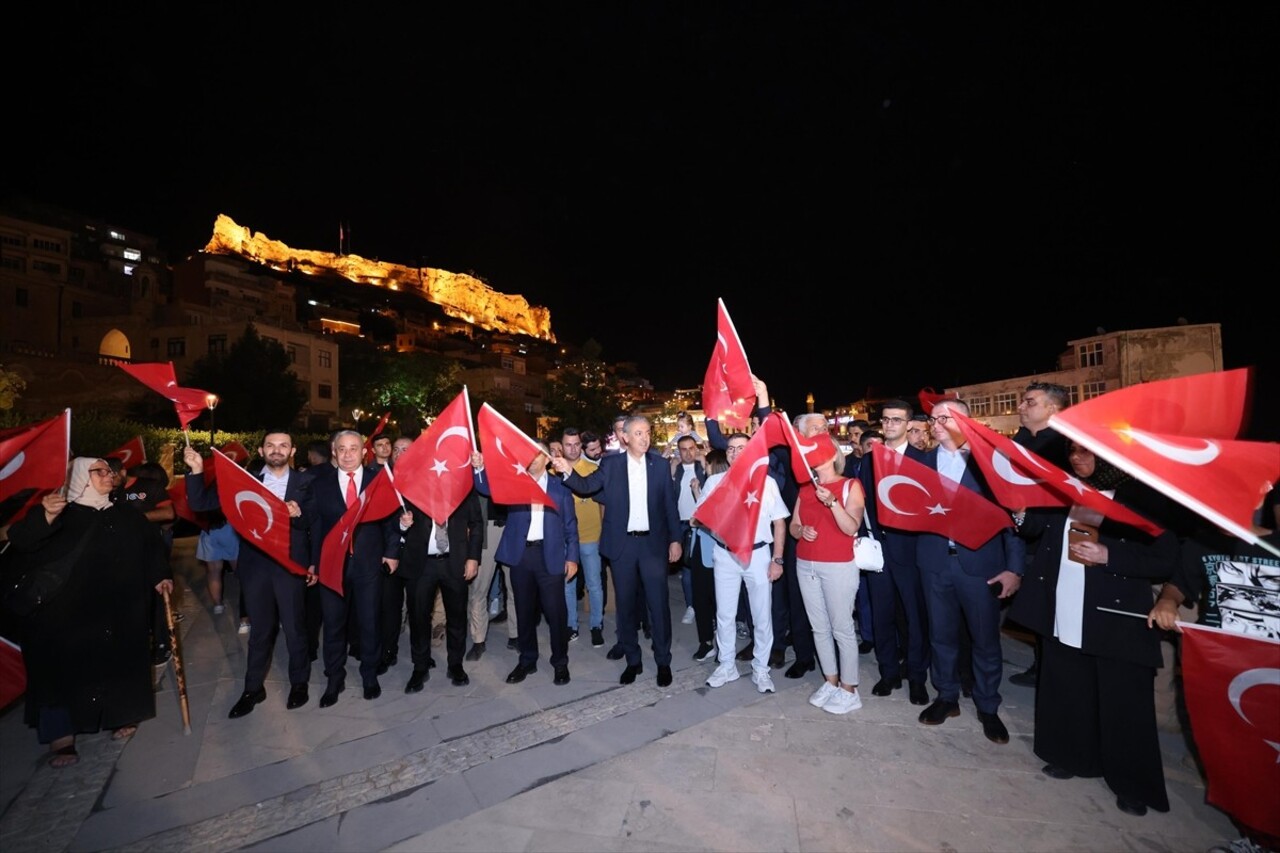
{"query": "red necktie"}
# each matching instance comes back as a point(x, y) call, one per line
point(352, 497)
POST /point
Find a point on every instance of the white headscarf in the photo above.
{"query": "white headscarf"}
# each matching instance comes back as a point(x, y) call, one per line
point(79, 490)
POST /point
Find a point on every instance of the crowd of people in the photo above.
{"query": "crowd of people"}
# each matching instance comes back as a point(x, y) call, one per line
point(623, 518)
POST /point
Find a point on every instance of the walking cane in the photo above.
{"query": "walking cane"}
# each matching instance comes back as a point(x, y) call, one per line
point(178, 675)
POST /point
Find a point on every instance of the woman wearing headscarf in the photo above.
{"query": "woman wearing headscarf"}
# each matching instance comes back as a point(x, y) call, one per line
point(1095, 700)
point(87, 651)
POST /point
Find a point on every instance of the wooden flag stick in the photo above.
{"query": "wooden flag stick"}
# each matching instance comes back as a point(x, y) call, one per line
point(178, 674)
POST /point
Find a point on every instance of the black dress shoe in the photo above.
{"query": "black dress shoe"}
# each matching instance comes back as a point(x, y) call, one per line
point(917, 693)
point(798, 669)
point(966, 689)
point(1053, 771)
point(477, 650)
point(885, 686)
point(1026, 678)
point(417, 680)
point(518, 674)
point(386, 663)
point(382, 668)
point(993, 728)
point(629, 674)
point(246, 702)
point(664, 676)
point(937, 713)
point(1132, 807)
point(372, 691)
point(513, 644)
point(562, 675)
point(298, 696)
point(748, 652)
point(777, 658)
point(431, 662)
point(331, 692)
point(615, 653)
point(865, 647)
point(457, 676)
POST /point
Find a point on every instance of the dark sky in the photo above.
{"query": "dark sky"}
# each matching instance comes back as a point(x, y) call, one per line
point(885, 195)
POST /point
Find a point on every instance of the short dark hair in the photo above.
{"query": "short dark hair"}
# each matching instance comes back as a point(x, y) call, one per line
point(620, 418)
point(898, 404)
point(1060, 396)
point(588, 437)
point(571, 431)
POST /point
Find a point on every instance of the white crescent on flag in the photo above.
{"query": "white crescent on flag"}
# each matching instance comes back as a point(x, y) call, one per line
point(1004, 468)
point(886, 485)
point(451, 431)
point(125, 455)
point(1186, 455)
point(254, 497)
point(12, 466)
point(1245, 680)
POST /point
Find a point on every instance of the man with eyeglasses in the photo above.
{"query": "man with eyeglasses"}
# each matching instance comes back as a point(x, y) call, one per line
point(1039, 402)
point(899, 584)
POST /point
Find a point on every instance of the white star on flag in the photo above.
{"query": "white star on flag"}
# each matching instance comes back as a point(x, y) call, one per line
point(752, 498)
point(440, 468)
point(939, 509)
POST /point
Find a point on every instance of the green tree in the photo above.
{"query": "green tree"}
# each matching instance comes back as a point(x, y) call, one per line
point(254, 381)
point(412, 386)
point(582, 395)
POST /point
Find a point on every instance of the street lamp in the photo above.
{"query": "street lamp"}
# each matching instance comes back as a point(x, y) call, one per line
point(211, 400)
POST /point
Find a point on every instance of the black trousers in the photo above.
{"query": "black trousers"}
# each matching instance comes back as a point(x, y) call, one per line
point(273, 597)
point(439, 574)
point(533, 587)
point(397, 589)
point(704, 602)
point(640, 580)
point(363, 606)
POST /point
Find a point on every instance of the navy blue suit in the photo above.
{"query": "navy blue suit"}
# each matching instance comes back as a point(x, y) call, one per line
point(537, 568)
point(273, 595)
point(375, 539)
point(638, 562)
point(955, 583)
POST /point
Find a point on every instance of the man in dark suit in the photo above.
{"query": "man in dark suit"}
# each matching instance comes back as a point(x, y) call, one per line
point(540, 544)
point(272, 594)
point(445, 560)
point(376, 544)
point(965, 586)
point(640, 539)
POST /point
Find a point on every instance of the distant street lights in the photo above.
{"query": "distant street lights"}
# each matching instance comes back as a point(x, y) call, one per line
point(211, 400)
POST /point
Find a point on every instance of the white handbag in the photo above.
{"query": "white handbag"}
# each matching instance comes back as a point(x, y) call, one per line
point(867, 554)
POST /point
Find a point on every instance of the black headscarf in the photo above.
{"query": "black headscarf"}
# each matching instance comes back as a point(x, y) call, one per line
point(1105, 476)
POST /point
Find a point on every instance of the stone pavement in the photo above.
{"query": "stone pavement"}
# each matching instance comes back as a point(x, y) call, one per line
point(587, 766)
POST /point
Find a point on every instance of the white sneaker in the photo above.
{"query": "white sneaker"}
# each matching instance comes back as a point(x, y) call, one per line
point(244, 627)
point(763, 682)
point(842, 702)
point(219, 609)
point(723, 674)
point(822, 694)
point(688, 616)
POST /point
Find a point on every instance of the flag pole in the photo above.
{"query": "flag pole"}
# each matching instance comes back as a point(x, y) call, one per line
point(178, 674)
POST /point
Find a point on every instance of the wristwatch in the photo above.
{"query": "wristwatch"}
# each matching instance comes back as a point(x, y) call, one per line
point(778, 560)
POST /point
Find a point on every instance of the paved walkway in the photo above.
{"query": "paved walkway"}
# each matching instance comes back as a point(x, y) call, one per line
point(588, 766)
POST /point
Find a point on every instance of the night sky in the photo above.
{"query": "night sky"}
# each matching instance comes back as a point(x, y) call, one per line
point(887, 196)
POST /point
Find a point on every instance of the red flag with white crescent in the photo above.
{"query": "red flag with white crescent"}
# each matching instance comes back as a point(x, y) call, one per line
point(731, 510)
point(236, 452)
point(728, 394)
point(913, 496)
point(1231, 683)
point(261, 518)
point(507, 454)
point(1154, 433)
point(33, 462)
point(435, 471)
point(377, 500)
point(159, 376)
point(133, 452)
point(806, 453)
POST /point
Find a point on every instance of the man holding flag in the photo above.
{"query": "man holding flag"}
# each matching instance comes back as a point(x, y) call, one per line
point(271, 592)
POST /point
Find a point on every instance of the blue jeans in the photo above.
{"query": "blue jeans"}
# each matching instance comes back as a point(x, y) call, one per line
point(686, 583)
point(589, 565)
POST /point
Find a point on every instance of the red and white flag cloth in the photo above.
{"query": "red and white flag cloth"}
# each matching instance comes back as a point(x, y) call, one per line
point(34, 457)
point(731, 510)
point(1231, 683)
point(377, 500)
point(182, 508)
point(13, 672)
point(728, 394)
point(913, 496)
point(1154, 432)
point(159, 377)
point(1020, 478)
point(930, 398)
point(261, 518)
point(779, 432)
point(434, 472)
point(132, 452)
point(236, 452)
point(507, 454)
point(377, 431)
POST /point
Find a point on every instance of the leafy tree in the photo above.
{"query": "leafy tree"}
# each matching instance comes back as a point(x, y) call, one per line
point(582, 395)
point(255, 382)
point(11, 386)
point(412, 385)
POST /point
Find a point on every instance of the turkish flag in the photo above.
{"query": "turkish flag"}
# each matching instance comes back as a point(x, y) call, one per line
point(779, 432)
point(930, 398)
point(181, 508)
point(728, 394)
point(236, 452)
point(266, 526)
point(1154, 433)
point(434, 472)
point(913, 496)
point(13, 672)
point(508, 452)
point(377, 431)
point(1231, 683)
point(1020, 478)
point(33, 461)
point(377, 500)
point(132, 452)
point(159, 377)
point(731, 510)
